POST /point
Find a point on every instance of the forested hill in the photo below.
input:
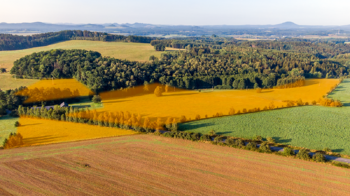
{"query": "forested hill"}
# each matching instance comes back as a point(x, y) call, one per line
point(16, 42)
point(198, 67)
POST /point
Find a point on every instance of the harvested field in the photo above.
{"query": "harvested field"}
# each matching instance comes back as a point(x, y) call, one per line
point(41, 131)
point(192, 103)
point(151, 165)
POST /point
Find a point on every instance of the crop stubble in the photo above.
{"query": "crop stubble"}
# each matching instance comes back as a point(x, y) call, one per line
point(149, 165)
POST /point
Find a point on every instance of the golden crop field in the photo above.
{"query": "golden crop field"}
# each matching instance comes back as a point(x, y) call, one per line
point(46, 90)
point(192, 103)
point(8, 82)
point(120, 50)
point(41, 131)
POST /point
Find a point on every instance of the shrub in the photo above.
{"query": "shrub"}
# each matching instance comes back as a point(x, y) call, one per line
point(288, 151)
point(258, 90)
point(251, 146)
point(313, 102)
point(303, 154)
point(205, 137)
point(230, 141)
point(157, 132)
point(212, 133)
point(158, 91)
point(183, 119)
point(264, 147)
point(198, 117)
point(340, 164)
point(239, 143)
point(270, 140)
point(218, 139)
point(318, 157)
point(17, 124)
point(327, 150)
point(96, 99)
point(258, 138)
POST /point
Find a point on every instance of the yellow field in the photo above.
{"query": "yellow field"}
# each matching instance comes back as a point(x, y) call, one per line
point(41, 131)
point(7, 82)
point(46, 90)
point(120, 50)
point(192, 103)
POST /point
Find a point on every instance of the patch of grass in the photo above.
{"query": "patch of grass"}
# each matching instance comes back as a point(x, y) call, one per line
point(8, 82)
point(120, 50)
point(312, 127)
point(7, 126)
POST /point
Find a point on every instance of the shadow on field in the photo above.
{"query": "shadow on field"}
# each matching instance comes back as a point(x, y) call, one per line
point(31, 124)
point(280, 140)
point(190, 126)
point(115, 101)
point(178, 94)
point(337, 150)
point(81, 106)
point(267, 91)
point(311, 83)
point(40, 140)
point(223, 133)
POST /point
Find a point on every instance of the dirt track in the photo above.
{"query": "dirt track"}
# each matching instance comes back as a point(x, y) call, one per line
point(150, 165)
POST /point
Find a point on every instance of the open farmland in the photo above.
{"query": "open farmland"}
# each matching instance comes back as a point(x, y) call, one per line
point(192, 103)
point(7, 126)
point(120, 50)
point(8, 82)
point(46, 90)
point(313, 127)
point(41, 131)
point(149, 165)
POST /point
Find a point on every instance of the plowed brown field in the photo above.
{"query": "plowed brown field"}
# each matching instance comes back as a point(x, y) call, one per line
point(151, 165)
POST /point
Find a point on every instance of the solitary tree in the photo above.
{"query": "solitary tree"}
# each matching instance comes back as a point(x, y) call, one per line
point(158, 91)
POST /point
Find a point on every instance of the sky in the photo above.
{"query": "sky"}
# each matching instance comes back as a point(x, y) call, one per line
point(178, 12)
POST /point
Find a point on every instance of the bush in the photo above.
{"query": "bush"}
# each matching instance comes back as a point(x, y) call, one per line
point(230, 141)
point(96, 99)
point(251, 146)
point(327, 150)
point(258, 90)
point(270, 140)
point(14, 140)
point(258, 138)
point(303, 154)
point(205, 138)
point(239, 143)
point(288, 151)
point(17, 124)
point(264, 147)
point(318, 157)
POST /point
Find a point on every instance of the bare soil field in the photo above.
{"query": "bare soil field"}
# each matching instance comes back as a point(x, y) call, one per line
point(152, 165)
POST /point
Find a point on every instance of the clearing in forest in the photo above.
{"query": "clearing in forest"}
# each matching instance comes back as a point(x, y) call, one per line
point(41, 131)
point(130, 165)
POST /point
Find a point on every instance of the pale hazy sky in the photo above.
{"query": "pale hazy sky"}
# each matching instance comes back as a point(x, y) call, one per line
point(176, 12)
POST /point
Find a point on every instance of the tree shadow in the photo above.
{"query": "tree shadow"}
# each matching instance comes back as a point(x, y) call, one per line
point(41, 139)
point(311, 83)
point(190, 126)
point(279, 140)
point(222, 133)
point(31, 124)
point(338, 150)
point(178, 94)
point(269, 91)
point(115, 101)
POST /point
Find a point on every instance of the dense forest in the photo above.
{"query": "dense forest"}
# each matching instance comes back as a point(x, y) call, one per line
point(193, 68)
point(16, 42)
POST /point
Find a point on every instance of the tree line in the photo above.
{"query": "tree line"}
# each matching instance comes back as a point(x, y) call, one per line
point(16, 42)
point(194, 68)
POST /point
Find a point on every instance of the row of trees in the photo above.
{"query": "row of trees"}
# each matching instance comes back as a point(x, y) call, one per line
point(193, 69)
point(15, 42)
